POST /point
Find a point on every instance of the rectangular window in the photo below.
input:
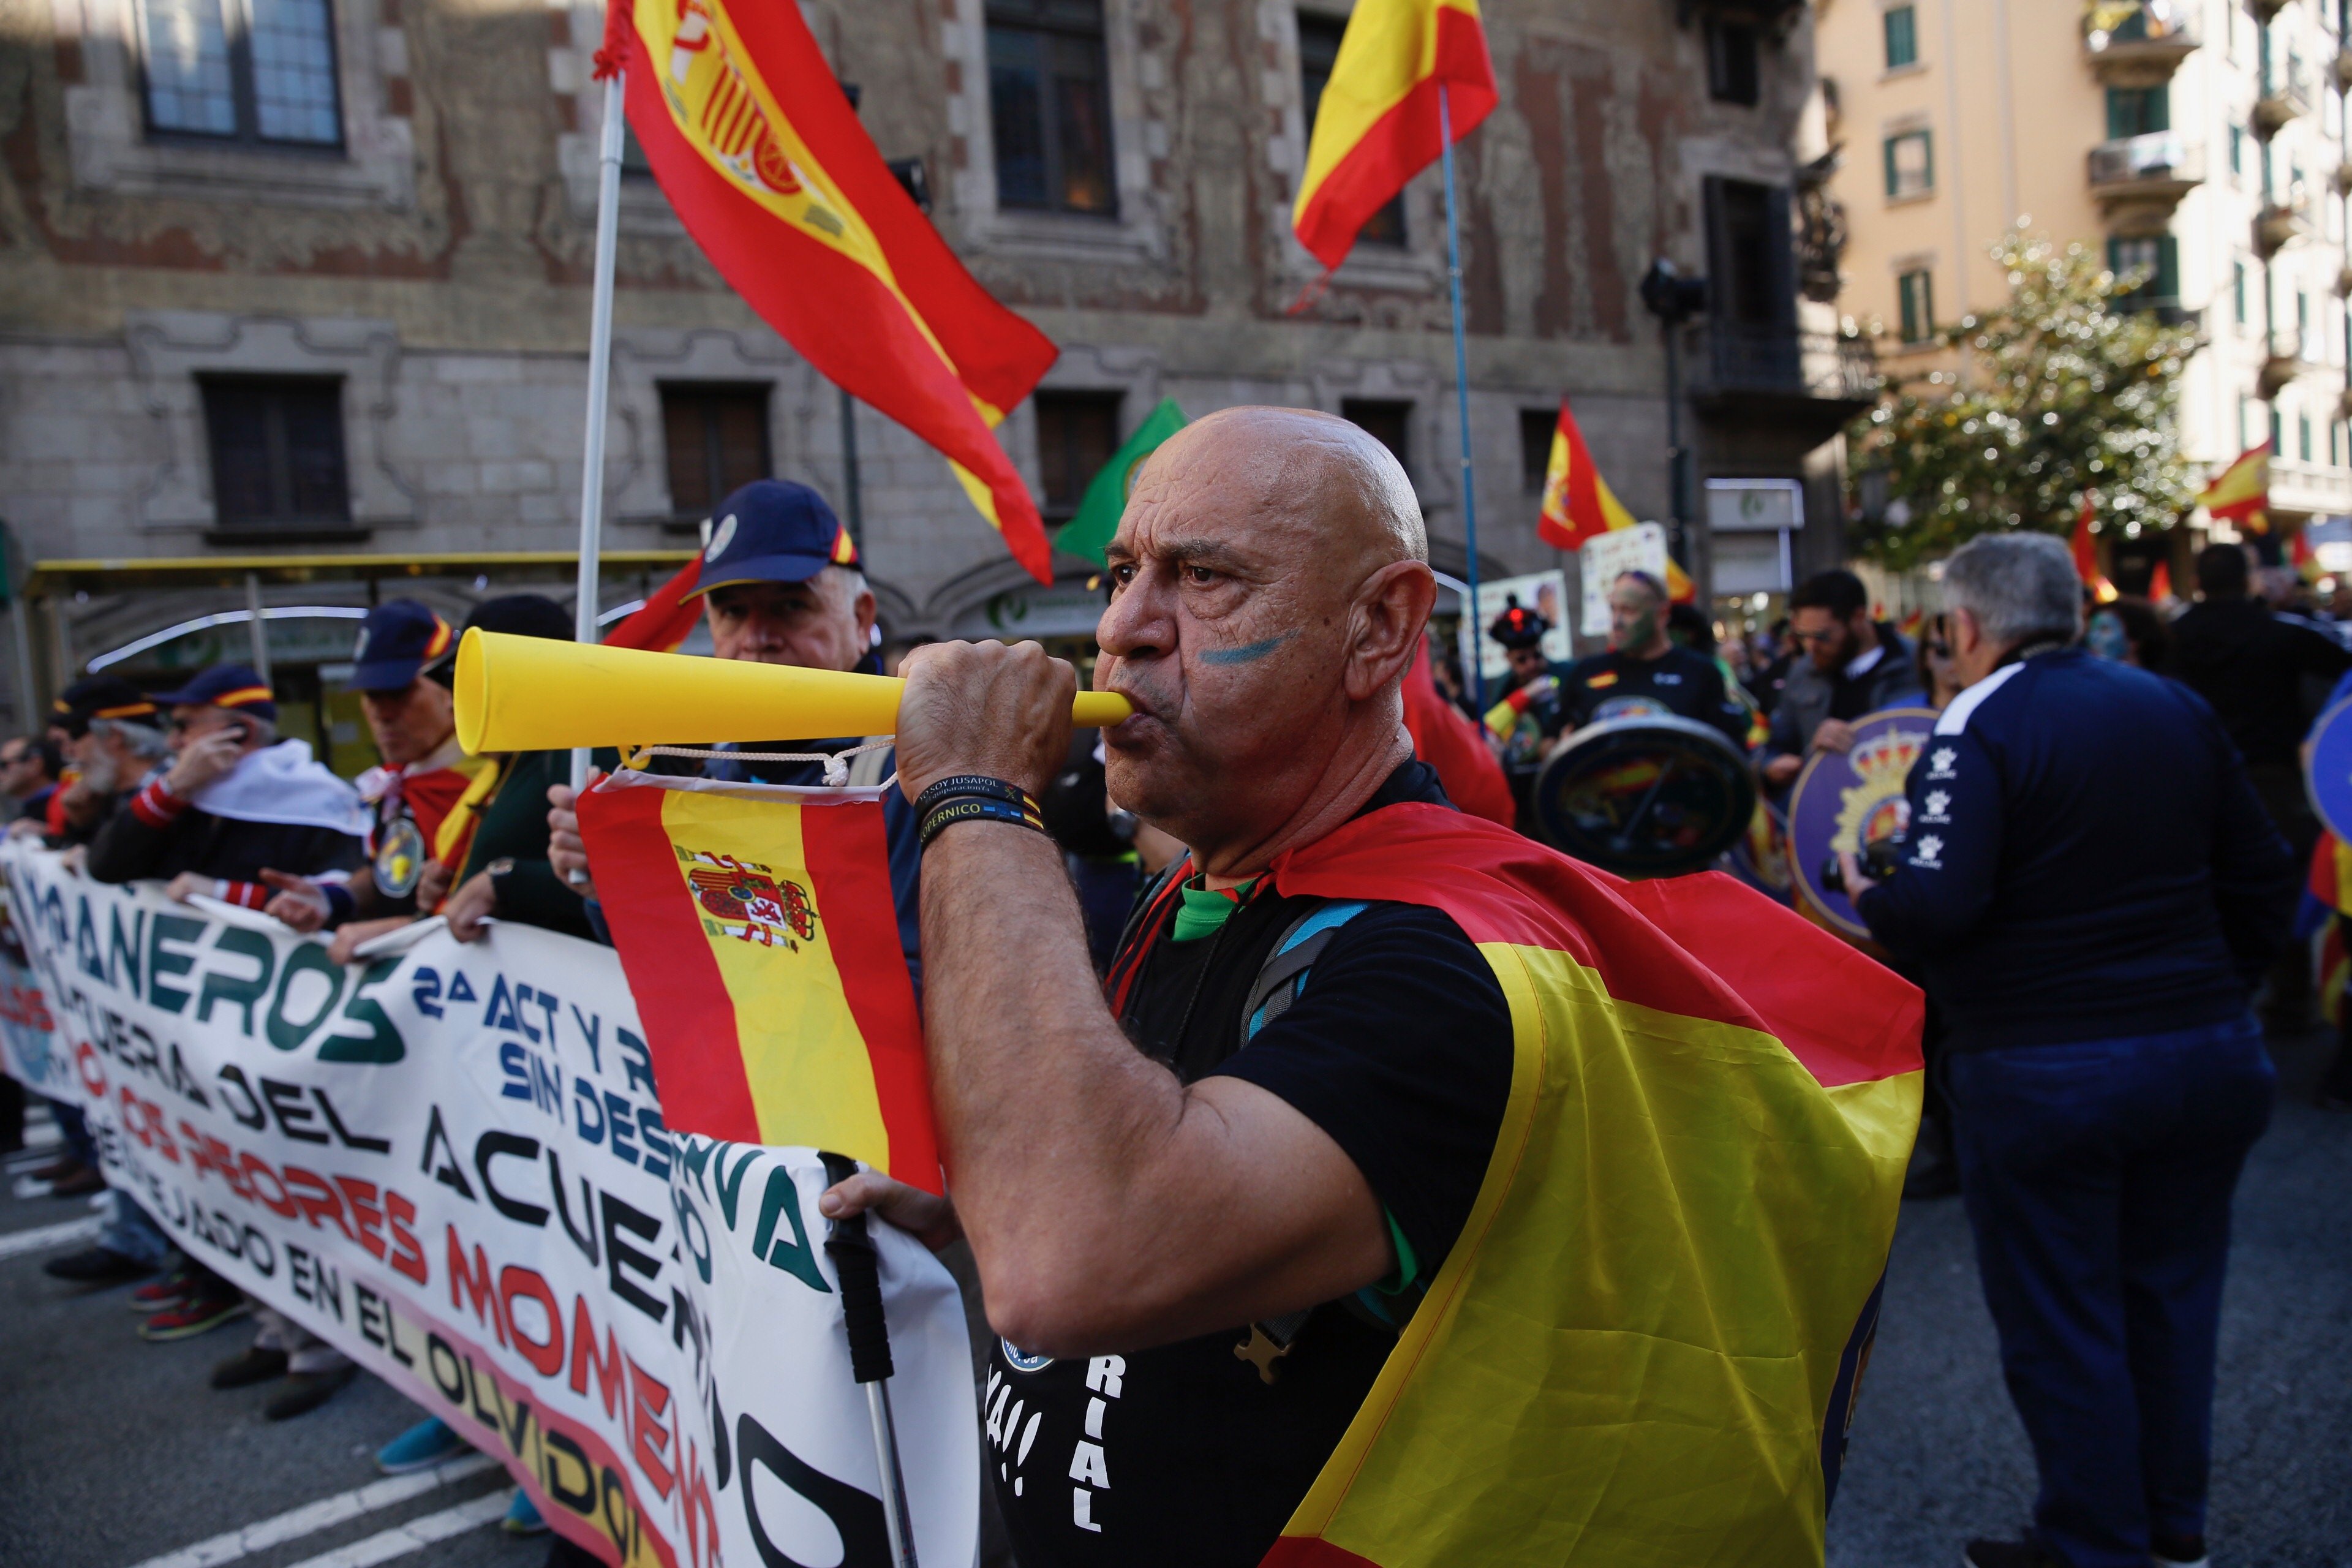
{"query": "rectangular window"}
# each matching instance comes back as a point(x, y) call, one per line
point(260, 71)
point(1910, 166)
point(1536, 427)
point(1049, 106)
point(1734, 72)
point(2237, 150)
point(2138, 111)
point(1318, 51)
point(2238, 292)
point(2157, 256)
point(2278, 445)
point(1916, 292)
point(1387, 423)
point(2306, 340)
point(716, 437)
point(2303, 435)
point(276, 445)
point(1076, 434)
point(1902, 36)
point(1752, 283)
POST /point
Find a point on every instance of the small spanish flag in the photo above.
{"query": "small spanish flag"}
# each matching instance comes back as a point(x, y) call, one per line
point(2240, 493)
point(1377, 126)
point(667, 617)
point(1577, 504)
point(764, 162)
point(760, 940)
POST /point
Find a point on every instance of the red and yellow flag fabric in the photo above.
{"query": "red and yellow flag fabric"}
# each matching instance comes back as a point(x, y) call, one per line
point(1377, 126)
point(2086, 555)
point(757, 929)
point(764, 160)
point(2240, 493)
point(1645, 1345)
point(667, 617)
point(1578, 506)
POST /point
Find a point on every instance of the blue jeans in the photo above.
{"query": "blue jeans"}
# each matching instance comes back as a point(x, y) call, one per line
point(2097, 1178)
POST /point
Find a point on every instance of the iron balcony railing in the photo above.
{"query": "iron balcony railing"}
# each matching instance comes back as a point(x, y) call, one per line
point(1765, 358)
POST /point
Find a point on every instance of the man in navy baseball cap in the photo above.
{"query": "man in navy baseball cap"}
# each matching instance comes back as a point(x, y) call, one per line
point(783, 582)
point(235, 688)
point(397, 640)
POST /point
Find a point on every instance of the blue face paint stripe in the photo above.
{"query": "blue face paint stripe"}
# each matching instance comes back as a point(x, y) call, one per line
point(1245, 654)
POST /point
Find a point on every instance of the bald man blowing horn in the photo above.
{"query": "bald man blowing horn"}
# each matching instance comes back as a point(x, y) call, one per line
point(1204, 1213)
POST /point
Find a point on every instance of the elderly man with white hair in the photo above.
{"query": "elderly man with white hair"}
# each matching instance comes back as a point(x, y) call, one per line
point(2092, 890)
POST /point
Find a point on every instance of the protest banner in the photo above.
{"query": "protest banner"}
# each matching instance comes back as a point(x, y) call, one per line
point(452, 1164)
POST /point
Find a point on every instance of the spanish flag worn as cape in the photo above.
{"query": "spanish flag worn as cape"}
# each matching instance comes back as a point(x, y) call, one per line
point(1377, 126)
point(764, 162)
point(756, 928)
point(1642, 1350)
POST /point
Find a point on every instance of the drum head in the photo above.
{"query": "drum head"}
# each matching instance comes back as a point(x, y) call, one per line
point(1645, 796)
point(1845, 800)
point(2329, 782)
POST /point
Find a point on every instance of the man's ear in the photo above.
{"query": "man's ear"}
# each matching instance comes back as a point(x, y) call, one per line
point(864, 610)
point(1392, 610)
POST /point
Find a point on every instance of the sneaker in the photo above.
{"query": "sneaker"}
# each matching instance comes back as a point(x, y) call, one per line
point(420, 1447)
point(306, 1391)
point(522, 1516)
point(78, 1183)
point(96, 1266)
point(248, 1367)
point(199, 1314)
point(2177, 1550)
point(162, 1295)
point(2007, 1554)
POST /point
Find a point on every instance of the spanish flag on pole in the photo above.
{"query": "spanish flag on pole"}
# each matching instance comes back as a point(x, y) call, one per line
point(667, 617)
point(762, 157)
point(2240, 493)
point(1645, 1345)
point(756, 926)
point(1378, 125)
point(1578, 506)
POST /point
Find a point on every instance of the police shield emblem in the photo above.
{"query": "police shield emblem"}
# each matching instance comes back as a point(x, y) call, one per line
point(1843, 801)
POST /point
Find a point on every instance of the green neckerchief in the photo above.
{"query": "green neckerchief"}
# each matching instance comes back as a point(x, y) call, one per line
point(1203, 911)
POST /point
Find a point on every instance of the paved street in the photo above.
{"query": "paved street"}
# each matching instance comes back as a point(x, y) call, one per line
point(117, 1455)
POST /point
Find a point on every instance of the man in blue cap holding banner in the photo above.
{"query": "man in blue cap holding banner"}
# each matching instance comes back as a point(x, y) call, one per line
point(785, 585)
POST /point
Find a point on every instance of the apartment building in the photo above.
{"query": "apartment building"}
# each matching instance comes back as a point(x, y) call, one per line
point(294, 304)
point(2200, 141)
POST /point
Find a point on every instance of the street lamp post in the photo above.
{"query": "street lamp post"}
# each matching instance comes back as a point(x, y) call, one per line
point(1674, 300)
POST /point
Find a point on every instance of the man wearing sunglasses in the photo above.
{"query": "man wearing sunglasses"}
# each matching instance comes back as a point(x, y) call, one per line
point(1851, 666)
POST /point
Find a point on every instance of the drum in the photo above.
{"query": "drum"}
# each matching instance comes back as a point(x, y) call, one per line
point(2329, 780)
point(1645, 796)
point(1844, 800)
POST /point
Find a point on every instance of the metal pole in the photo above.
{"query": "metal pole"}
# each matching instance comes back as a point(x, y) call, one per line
point(900, 1524)
point(600, 382)
point(29, 717)
point(850, 1245)
point(255, 631)
point(849, 494)
point(1475, 673)
point(1677, 543)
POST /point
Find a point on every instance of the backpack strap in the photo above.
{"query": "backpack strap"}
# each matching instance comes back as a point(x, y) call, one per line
point(1283, 977)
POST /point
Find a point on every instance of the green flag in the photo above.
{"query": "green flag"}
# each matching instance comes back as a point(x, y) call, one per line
point(1088, 533)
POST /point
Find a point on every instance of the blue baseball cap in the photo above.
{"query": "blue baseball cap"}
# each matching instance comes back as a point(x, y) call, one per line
point(397, 640)
point(236, 686)
point(772, 531)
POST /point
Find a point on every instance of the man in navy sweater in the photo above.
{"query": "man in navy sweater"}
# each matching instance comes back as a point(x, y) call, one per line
point(2092, 890)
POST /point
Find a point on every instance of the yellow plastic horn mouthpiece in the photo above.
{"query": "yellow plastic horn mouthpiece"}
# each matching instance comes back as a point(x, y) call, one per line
point(534, 694)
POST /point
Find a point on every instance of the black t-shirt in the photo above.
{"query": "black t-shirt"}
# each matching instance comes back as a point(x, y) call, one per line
point(1399, 1048)
point(1678, 682)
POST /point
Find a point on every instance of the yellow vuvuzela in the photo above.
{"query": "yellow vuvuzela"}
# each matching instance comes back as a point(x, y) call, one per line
point(534, 694)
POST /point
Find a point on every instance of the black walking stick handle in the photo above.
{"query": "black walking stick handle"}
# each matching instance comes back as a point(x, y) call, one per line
point(851, 1247)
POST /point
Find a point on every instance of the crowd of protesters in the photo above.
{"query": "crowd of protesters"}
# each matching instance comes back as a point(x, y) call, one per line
point(2090, 943)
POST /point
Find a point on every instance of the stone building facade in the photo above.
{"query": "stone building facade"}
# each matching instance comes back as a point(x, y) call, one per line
point(308, 281)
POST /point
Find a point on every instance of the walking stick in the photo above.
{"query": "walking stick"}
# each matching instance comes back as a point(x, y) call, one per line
point(851, 1247)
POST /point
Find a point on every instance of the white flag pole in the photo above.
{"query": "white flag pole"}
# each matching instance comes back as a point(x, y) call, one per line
point(599, 382)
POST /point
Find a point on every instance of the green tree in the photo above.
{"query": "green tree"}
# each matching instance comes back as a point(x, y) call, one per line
point(2067, 390)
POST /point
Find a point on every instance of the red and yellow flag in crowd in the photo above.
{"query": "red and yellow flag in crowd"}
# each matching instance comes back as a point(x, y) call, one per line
point(1646, 1343)
point(1578, 506)
point(762, 158)
point(2240, 493)
point(1377, 126)
point(2086, 555)
point(761, 946)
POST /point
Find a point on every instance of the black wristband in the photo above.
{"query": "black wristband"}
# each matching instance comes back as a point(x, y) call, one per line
point(974, 808)
point(979, 784)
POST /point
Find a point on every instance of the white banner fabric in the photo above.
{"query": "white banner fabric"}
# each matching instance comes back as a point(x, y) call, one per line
point(452, 1166)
